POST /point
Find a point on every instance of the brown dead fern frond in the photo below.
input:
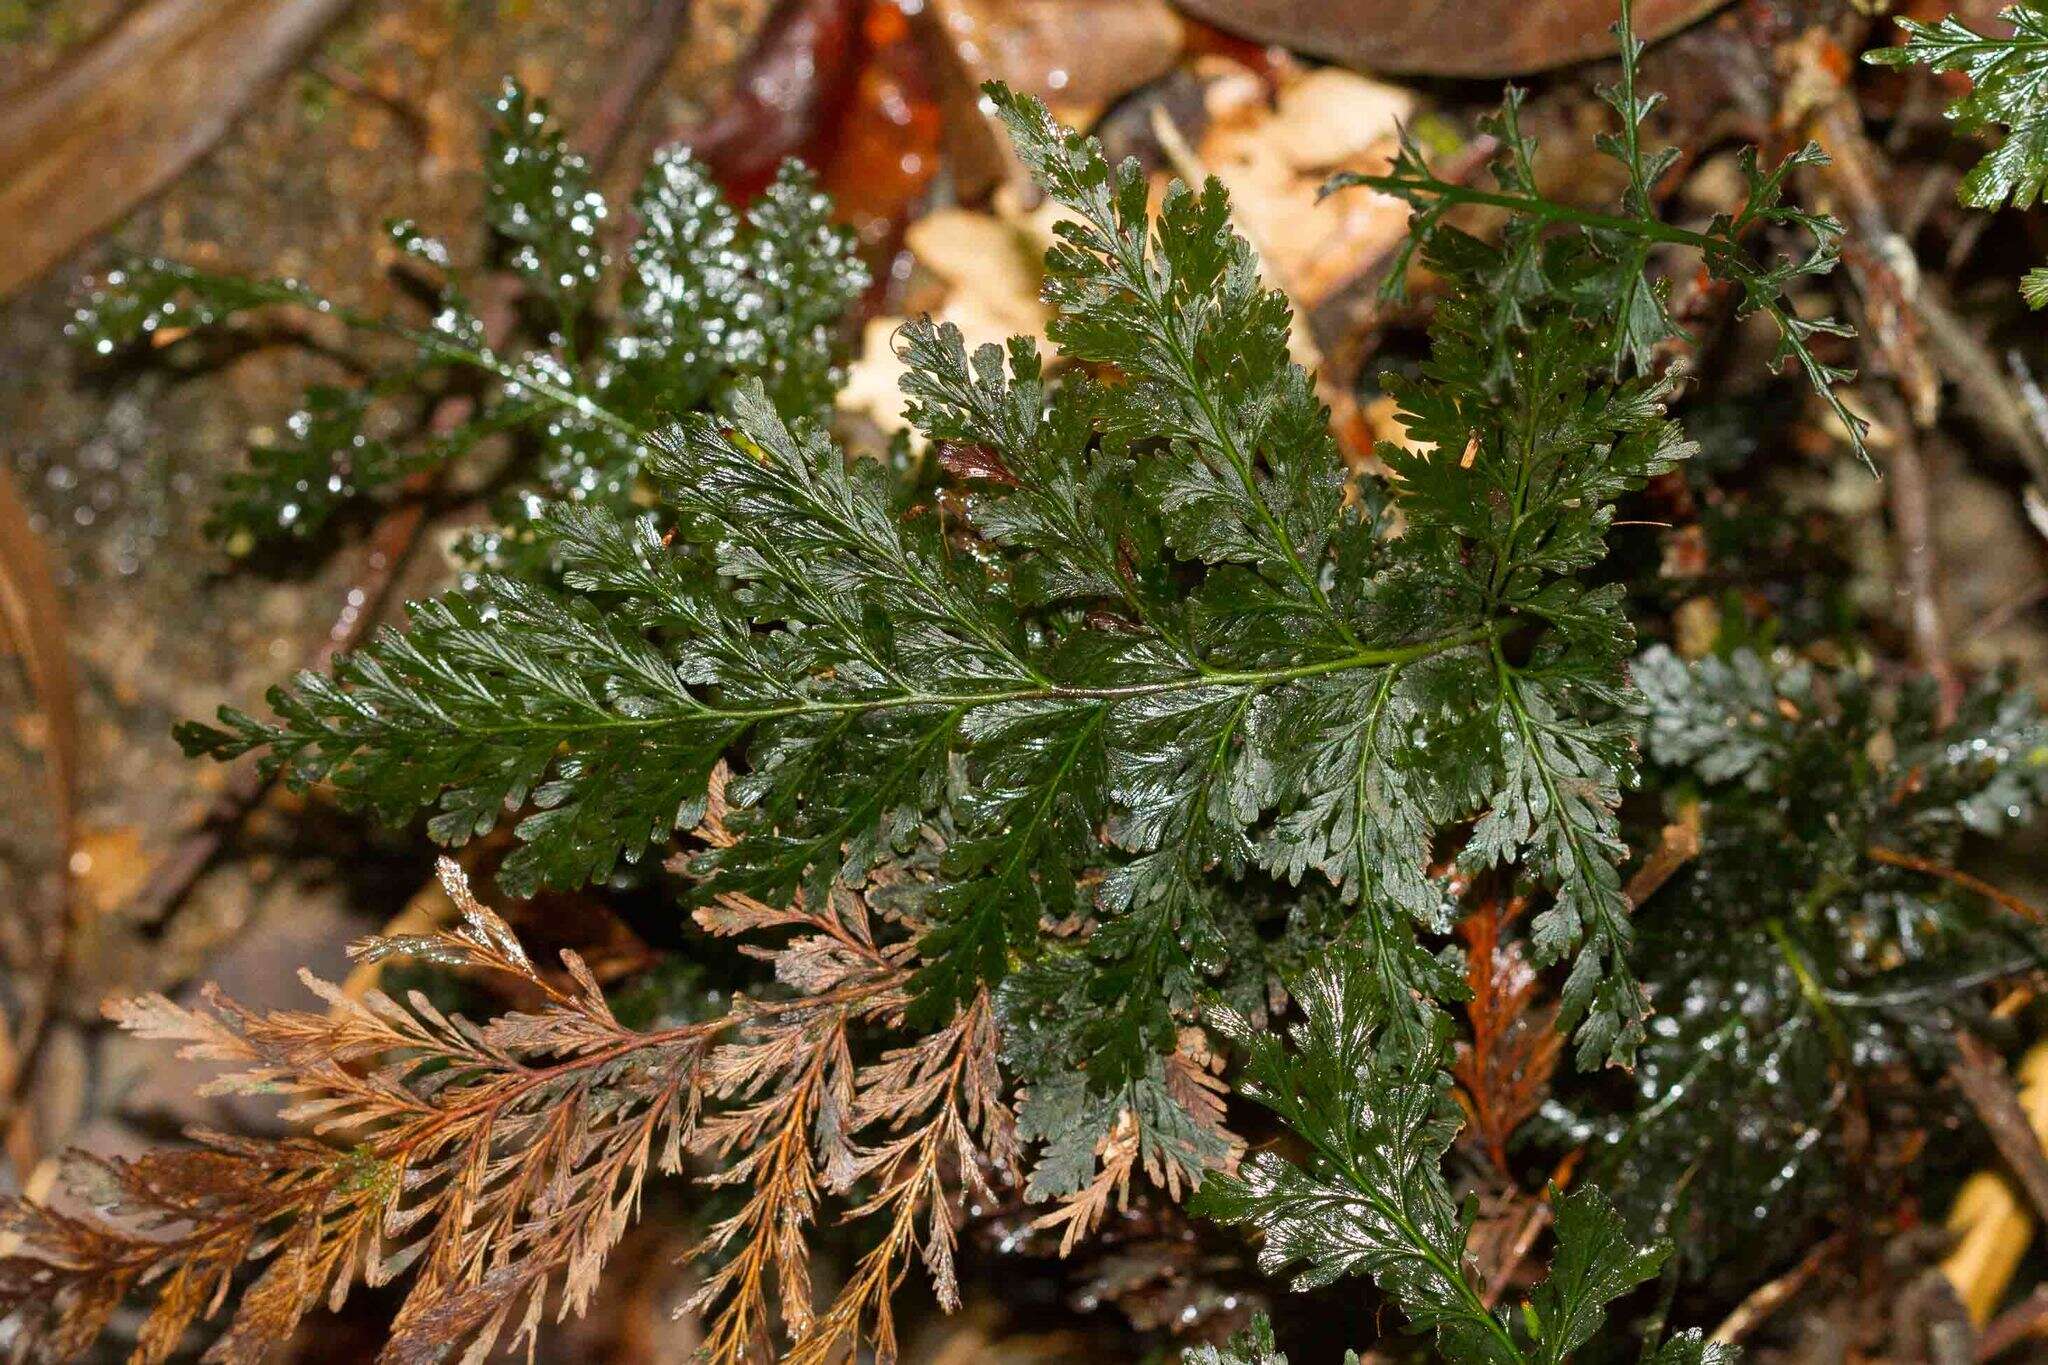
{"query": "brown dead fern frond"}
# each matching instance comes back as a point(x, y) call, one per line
point(192, 1219)
point(1117, 1160)
point(1133, 1144)
point(792, 1080)
point(500, 1163)
point(1503, 1072)
point(941, 1103)
point(493, 1161)
point(802, 1101)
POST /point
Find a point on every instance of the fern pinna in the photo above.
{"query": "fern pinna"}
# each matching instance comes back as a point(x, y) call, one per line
point(1157, 580)
point(1129, 711)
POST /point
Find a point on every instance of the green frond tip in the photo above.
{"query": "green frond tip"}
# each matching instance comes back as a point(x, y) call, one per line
point(2008, 89)
point(1376, 1117)
point(1596, 263)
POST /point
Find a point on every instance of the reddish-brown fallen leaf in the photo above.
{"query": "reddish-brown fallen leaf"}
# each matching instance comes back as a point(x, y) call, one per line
point(1447, 37)
point(886, 142)
point(785, 97)
point(1079, 56)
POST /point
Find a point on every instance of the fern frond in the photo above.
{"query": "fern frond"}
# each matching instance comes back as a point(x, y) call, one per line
point(495, 1162)
point(2008, 86)
point(1555, 250)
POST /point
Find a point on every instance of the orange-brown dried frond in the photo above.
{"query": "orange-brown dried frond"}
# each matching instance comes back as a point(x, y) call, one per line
point(789, 1136)
point(799, 1103)
point(1130, 1147)
point(1116, 1157)
point(940, 1102)
point(496, 1162)
point(1503, 1072)
point(1194, 1081)
point(190, 1220)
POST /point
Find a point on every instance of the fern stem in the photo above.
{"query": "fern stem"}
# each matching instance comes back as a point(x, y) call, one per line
point(1252, 678)
point(443, 346)
point(1452, 1273)
point(1551, 211)
point(1810, 989)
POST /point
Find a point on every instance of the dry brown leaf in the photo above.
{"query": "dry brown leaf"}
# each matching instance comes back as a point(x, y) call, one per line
point(1447, 37)
point(989, 271)
point(1275, 156)
point(1079, 56)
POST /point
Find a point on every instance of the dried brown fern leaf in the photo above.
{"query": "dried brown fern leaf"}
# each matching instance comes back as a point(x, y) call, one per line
point(193, 1218)
point(492, 1160)
point(1117, 1160)
point(791, 1077)
point(1132, 1145)
point(941, 1101)
point(500, 1163)
point(1503, 1072)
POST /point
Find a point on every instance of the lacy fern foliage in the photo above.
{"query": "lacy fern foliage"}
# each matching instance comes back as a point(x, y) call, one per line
point(1845, 952)
point(704, 296)
point(1596, 263)
point(1227, 665)
point(1128, 719)
point(1370, 1199)
point(2008, 89)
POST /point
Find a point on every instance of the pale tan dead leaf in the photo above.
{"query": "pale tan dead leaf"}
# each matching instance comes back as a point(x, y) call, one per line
point(108, 866)
point(1275, 157)
point(1990, 1220)
point(1324, 117)
point(1079, 56)
point(990, 272)
point(993, 271)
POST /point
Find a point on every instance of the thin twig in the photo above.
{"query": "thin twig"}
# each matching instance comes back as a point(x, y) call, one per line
point(1913, 862)
point(1533, 1223)
point(1678, 845)
point(1912, 508)
point(2003, 613)
point(1494, 1282)
point(1894, 296)
point(1767, 1298)
point(1911, 310)
point(1980, 1074)
point(2024, 1319)
point(1988, 395)
point(34, 626)
point(409, 115)
point(637, 67)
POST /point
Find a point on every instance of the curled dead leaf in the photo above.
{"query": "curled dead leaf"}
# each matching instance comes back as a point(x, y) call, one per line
point(1446, 37)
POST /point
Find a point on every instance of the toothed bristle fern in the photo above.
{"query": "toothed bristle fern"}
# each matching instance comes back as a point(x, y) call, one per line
point(1124, 722)
point(1163, 646)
